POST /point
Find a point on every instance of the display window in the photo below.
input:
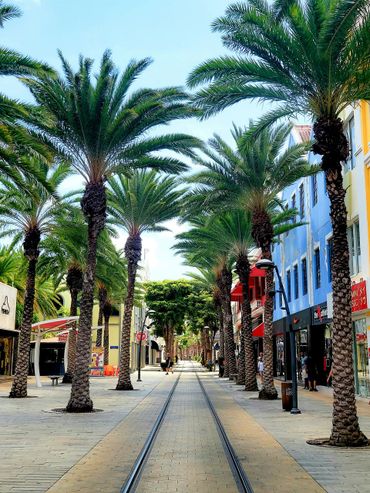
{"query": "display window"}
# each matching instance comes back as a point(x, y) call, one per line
point(361, 360)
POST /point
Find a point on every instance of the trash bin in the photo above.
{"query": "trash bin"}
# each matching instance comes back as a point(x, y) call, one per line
point(287, 395)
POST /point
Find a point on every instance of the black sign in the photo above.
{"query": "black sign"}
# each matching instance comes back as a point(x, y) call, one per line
point(320, 314)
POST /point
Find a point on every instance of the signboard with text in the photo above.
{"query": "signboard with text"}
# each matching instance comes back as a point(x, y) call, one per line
point(359, 296)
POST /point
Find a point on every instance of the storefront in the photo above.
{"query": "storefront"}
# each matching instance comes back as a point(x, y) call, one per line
point(360, 324)
point(8, 334)
point(320, 341)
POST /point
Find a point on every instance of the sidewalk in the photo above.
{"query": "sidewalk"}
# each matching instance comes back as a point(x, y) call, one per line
point(337, 470)
point(43, 451)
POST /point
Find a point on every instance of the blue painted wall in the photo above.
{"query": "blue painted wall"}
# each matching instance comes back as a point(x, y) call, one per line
point(301, 242)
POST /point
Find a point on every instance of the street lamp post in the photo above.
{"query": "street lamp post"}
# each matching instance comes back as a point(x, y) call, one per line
point(267, 264)
point(140, 341)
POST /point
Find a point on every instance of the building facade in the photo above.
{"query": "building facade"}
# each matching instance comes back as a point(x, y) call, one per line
point(303, 257)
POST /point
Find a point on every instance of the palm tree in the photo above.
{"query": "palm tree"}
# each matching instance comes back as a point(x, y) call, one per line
point(251, 177)
point(26, 214)
point(104, 130)
point(139, 204)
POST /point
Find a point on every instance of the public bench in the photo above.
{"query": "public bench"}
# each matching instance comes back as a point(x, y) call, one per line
point(54, 379)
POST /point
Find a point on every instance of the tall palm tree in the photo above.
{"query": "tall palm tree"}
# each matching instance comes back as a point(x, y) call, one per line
point(251, 177)
point(27, 214)
point(139, 204)
point(310, 57)
point(105, 130)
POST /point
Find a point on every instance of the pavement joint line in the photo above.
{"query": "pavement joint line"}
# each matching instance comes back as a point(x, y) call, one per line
point(82, 463)
point(268, 433)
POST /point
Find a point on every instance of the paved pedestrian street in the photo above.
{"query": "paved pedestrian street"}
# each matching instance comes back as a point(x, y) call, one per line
point(47, 451)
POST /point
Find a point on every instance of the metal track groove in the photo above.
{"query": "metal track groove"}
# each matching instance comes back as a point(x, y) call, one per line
point(130, 484)
point(244, 484)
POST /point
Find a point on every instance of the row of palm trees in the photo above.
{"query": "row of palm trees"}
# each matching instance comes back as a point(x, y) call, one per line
point(101, 130)
point(310, 57)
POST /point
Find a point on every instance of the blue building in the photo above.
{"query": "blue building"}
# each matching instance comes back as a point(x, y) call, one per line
point(302, 256)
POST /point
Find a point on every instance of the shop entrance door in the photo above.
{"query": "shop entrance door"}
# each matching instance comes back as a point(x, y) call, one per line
point(317, 350)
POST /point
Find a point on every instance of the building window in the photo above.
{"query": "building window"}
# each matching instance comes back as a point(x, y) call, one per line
point(295, 277)
point(350, 134)
point(314, 189)
point(354, 244)
point(288, 286)
point(294, 205)
point(304, 275)
point(301, 200)
point(329, 250)
point(286, 207)
point(317, 268)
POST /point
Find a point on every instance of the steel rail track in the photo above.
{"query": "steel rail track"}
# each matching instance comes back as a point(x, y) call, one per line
point(132, 479)
point(239, 473)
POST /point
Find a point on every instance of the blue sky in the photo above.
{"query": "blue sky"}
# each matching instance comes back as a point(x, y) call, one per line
point(176, 34)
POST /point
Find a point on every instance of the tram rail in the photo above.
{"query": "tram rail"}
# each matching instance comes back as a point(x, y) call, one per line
point(241, 479)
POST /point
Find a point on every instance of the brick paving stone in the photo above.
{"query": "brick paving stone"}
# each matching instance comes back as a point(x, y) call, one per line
point(335, 469)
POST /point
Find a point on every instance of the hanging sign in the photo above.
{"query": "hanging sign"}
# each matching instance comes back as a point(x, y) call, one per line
point(359, 296)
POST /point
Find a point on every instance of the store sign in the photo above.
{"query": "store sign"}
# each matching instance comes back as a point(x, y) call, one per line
point(359, 296)
point(320, 314)
point(8, 301)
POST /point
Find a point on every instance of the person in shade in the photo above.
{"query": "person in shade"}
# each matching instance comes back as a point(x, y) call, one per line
point(169, 364)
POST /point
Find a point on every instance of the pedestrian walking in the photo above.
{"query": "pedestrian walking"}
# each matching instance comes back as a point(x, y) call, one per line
point(221, 366)
point(260, 367)
point(169, 364)
point(312, 373)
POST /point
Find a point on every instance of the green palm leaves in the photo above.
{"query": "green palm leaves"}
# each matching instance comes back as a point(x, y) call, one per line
point(308, 57)
point(143, 201)
point(101, 127)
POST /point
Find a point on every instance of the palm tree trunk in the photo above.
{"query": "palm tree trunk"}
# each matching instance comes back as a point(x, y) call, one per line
point(102, 299)
point(72, 340)
point(268, 390)
point(263, 233)
point(19, 386)
point(93, 205)
point(221, 325)
point(107, 313)
point(225, 286)
point(133, 255)
point(243, 271)
point(332, 144)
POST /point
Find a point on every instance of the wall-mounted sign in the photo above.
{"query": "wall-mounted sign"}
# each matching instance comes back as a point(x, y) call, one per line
point(320, 314)
point(8, 301)
point(359, 296)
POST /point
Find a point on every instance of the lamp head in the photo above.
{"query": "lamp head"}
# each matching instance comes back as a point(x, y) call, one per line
point(265, 264)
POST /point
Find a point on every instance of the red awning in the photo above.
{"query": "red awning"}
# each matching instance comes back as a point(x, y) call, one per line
point(60, 324)
point(259, 330)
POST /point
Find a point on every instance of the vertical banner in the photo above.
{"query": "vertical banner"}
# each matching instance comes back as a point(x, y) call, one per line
point(97, 362)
